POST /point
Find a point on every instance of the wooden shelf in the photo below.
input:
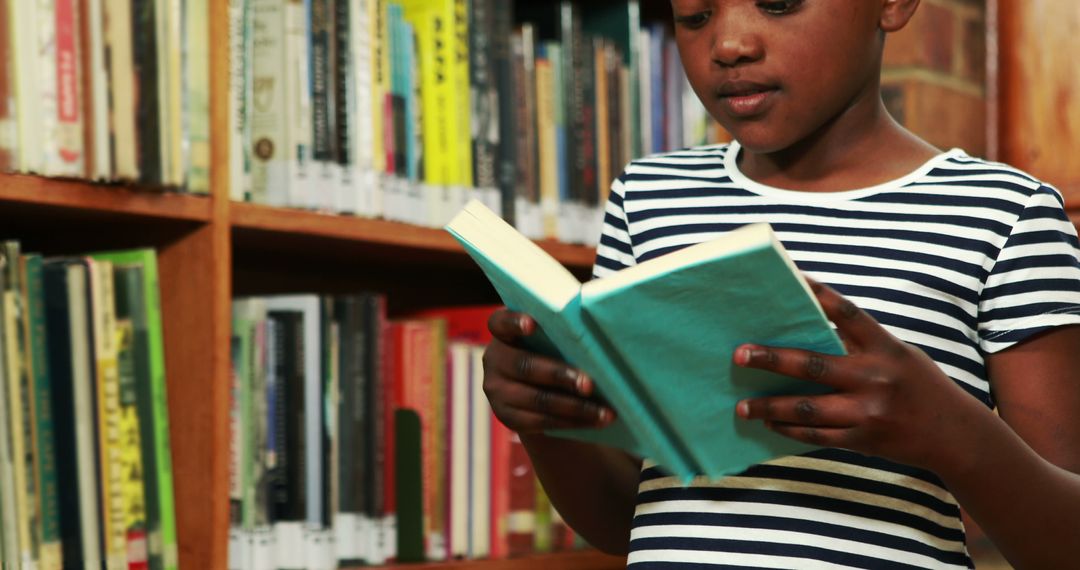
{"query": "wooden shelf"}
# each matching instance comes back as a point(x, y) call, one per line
point(584, 560)
point(21, 193)
point(257, 226)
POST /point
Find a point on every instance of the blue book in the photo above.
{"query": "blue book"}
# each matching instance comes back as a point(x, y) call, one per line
point(658, 338)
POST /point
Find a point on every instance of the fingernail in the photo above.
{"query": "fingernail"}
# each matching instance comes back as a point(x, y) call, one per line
point(743, 355)
point(523, 324)
point(583, 384)
point(743, 409)
point(604, 415)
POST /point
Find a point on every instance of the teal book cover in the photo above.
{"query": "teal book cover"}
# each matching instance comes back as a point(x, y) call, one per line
point(658, 338)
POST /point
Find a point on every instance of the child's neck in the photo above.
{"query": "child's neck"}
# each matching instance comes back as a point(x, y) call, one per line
point(873, 151)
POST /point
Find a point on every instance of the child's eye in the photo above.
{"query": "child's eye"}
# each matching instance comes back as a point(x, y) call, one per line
point(779, 7)
point(692, 21)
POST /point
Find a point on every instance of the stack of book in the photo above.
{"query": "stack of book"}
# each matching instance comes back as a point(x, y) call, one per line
point(109, 90)
point(85, 468)
point(406, 109)
point(358, 439)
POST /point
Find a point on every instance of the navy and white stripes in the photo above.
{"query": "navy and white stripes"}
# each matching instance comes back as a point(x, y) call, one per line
point(961, 258)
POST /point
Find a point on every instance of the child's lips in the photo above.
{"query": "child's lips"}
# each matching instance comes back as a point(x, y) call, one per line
point(746, 102)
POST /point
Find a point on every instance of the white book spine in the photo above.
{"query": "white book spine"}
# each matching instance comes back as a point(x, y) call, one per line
point(302, 189)
point(101, 169)
point(121, 113)
point(28, 107)
point(238, 88)
point(270, 149)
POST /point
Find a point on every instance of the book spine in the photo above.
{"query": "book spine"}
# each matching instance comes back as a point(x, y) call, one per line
point(48, 92)
point(506, 153)
point(107, 393)
point(524, 84)
point(240, 90)
point(196, 111)
point(500, 489)
point(298, 104)
point(380, 63)
point(125, 74)
point(8, 147)
point(543, 538)
point(94, 85)
point(69, 156)
point(132, 483)
point(546, 144)
point(362, 131)
point(603, 108)
point(151, 97)
point(48, 506)
point(480, 487)
point(269, 112)
point(169, 23)
point(323, 104)
point(484, 118)
point(89, 524)
point(20, 410)
point(9, 515)
point(378, 452)
point(460, 100)
point(521, 524)
point(162, 449)
point(345, 109)
point(28, 102)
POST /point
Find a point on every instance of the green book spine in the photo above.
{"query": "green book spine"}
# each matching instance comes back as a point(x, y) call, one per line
point(161, 534)
point(408, 487)
point(45, 456)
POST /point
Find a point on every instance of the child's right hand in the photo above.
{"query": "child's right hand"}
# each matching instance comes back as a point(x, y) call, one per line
point(531, 393)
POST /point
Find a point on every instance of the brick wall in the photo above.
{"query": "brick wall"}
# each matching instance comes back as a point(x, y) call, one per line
point(934, 75)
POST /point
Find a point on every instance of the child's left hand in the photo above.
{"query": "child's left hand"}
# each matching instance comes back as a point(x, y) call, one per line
point(891, 399)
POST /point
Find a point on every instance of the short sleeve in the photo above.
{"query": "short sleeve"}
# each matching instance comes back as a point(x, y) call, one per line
point(614, 251)
point(1035, 282)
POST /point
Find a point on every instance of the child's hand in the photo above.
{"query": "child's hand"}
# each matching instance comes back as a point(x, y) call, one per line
point(891, 399)
point(530, 393)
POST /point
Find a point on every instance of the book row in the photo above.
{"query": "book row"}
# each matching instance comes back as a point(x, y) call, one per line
point(363, 440)
point(405, 109)
point(108, 90)
point(85, 467)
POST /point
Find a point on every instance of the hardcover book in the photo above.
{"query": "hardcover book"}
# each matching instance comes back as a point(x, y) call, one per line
point(658, 337)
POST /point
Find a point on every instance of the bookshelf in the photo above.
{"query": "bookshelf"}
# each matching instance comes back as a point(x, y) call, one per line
point(210, 249)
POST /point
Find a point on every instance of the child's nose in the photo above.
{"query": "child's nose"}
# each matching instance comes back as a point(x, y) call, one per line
point(730, 51)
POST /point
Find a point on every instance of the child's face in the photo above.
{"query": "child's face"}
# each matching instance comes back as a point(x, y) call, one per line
point(774, 72)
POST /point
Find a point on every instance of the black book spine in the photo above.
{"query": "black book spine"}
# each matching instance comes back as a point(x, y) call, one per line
point(503, 64)
point(321, 56)
point(148, 99)
point(287, 495)
point(344, 95)
point(63, 402)
point(485, 100)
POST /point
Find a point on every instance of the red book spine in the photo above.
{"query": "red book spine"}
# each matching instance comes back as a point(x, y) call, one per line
point(67, 82)
point(522, 521)
point(500, 488)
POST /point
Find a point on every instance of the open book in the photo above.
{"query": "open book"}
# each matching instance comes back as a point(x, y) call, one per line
point(658, 337)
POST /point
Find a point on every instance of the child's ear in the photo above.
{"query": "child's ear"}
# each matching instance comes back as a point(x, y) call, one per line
point(895, 14)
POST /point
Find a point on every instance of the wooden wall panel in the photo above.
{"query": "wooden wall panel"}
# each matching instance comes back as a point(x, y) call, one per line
point(1039, 90)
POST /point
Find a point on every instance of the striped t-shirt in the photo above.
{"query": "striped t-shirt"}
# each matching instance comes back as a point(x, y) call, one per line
point(960, 258)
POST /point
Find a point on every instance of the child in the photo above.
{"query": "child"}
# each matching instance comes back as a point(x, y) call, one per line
point(961, 291)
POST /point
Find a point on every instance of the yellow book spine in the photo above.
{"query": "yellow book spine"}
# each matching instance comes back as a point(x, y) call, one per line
point(380, 80)
point(545, 128)
point(460, 93)
point(108, 408)
point(16, 426)
point(129, 448)
point(603, 126)
point(426, 17)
